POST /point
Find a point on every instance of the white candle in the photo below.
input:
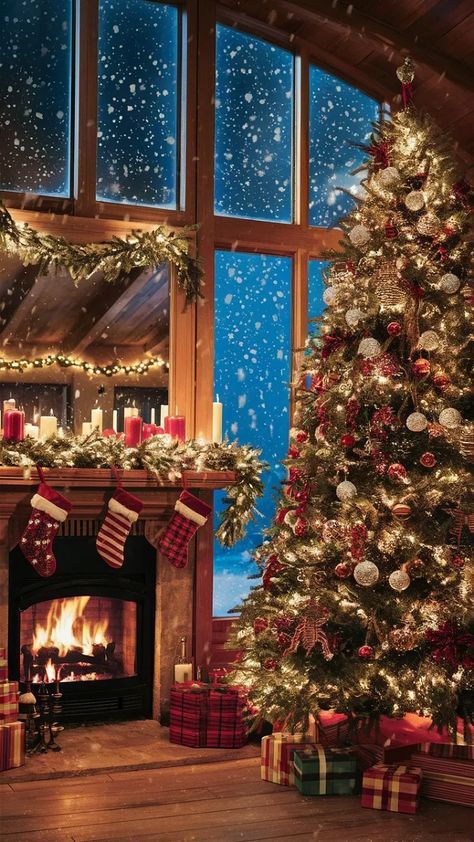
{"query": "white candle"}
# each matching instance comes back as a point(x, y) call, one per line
point(163, 414)
point(152, 416)
point(115, 420)
point(97, 419)
point(48, 425)
point(130, 412)
point(9, 405)
point(217, 421)
point(86, 428)
point(183, 672)
point(32, 430)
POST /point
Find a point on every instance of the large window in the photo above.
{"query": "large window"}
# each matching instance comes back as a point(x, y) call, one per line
point(35, 96)
point(251, 376)
point(138, 142)
point(340, 116)
point(254, 127)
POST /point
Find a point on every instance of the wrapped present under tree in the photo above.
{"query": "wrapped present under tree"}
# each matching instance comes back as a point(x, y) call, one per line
point(391, 787)
point(277, 756)
point(12, 745)
point(325, 771)
point(446, 778)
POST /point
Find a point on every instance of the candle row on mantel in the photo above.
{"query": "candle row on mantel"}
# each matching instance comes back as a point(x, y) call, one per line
point(15, 428)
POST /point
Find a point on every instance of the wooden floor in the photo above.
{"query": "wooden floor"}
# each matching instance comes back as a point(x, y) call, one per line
point(214, 802)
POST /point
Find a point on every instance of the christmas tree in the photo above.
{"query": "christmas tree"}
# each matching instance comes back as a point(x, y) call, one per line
point(365, 599)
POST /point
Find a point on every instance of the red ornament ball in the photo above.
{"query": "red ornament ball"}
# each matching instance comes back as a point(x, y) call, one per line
point(391, 231)
point(301, 436)
point(293, 452)
point(301, 527)
point(365, 652)
point(259, 625)
point(394, 329)
point(270, 664)
point(347, 440)
point(457, 561)
point(396, 471)
point(343, 570)
point(428, 460)
point(441, 381)
point(401, 511)
point(281, 514)
point(421, 367)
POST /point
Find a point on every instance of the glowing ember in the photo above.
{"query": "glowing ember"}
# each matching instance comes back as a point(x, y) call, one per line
point(67, 628)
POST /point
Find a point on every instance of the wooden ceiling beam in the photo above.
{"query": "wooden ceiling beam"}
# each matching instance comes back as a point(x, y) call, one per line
point(24, 289)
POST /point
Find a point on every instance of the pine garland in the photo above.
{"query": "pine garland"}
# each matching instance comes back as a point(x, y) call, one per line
point(114, 259)
point(162, 456)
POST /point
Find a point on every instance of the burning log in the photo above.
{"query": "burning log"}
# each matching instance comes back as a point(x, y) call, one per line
point(47, 653)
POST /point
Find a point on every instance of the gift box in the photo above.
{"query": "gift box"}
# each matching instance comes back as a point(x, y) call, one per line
point(188, 714)
point(325, 771)
point(391, 787)
point(3, 669)
point(12, 745)
point(369, 754)
point(446, 778)
point(277, 756)
point(454, 750)
point(226, 725)
point(9, 701)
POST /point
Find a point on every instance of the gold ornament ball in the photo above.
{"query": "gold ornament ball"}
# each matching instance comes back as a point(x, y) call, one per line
point(346, 491)
point(406, 71)
point(353, 317)
point(428, 341)
point(416, 422)
point(369, 347)
point(415, 200)
point(366, 573)
point(399, 580)
point(450, 418)
point(388, 177)
point(428, 225)
point(449, 283)
point(359, 235)
point(403, 640)
point(329, 296)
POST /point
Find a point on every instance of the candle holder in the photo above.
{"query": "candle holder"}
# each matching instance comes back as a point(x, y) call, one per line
point(41, 725)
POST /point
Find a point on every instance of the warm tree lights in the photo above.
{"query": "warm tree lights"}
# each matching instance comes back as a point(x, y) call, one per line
point(64, 361)
point(372, 525)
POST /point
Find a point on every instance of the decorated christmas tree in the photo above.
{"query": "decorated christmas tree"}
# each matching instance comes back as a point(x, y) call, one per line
point(365, 599)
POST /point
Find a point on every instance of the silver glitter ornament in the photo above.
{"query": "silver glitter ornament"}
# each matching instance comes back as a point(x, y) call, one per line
point(428, 341)
point(359, 236)
point(450, 418)
point(415, 200)
point(428, 225)
point(329, 296)
point(416, 422)
point(346, 491)
point(353, 317)
point(449, 283)
point(366, 573)
point(389, 177)
point(369, 347)
point(399, 580)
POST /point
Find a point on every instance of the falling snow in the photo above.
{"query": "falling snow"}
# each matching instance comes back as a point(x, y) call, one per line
point(252, 372)
point(340, 116)
point(35, 73)
point(253, 149)
point(138, 103)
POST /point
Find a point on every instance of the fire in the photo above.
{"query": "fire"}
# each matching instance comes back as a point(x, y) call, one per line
point(67, 628)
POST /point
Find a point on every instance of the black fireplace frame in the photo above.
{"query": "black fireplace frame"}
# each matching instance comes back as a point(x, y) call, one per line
point(81, 572)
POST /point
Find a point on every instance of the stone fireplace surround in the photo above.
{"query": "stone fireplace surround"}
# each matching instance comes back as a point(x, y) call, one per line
point(183, 598)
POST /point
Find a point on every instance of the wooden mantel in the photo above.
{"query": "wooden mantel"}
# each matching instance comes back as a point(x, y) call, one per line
point(183, 597)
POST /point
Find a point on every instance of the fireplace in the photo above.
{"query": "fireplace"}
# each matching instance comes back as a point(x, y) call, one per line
point(89, 625)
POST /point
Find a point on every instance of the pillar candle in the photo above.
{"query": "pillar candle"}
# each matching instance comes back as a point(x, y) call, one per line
point(133, 431)
point(152, 415)
point(97, 418)
point(148, 431)
point(86, 428)
point(115, 420)
point(48, 425)
point(217, 421)
point(183, 672)
point(163, 414)
point(130, 412)
point(14, 425)
point(8, 405)
point(32, 430)
point(175, 426)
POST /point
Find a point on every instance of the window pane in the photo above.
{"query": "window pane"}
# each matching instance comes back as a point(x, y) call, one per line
point(138, 143)
point(254, 124)
point(316, 304)
point(251, 375)
point(35, 96)
point(340, 116)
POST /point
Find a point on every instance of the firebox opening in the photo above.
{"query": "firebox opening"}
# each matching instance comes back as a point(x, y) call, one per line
point(80, 638)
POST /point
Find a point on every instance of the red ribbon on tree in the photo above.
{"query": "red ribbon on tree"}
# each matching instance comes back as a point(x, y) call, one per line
point(451, 646)
point(461, 519)
point(309, 631)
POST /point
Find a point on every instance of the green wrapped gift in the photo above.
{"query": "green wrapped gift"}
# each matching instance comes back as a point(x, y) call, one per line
point(326, 771)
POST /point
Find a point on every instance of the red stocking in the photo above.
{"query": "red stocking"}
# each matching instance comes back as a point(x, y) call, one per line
point(189, 514)
point(49, 509)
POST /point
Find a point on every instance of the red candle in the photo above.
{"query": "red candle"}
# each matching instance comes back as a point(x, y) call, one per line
point(149, 430)
point(133, 431)
point(175, 426)
point(14, 425)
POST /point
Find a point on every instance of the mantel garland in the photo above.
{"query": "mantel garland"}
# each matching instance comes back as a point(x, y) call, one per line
point(164, 457)
point(114, 259)
point(63, 361)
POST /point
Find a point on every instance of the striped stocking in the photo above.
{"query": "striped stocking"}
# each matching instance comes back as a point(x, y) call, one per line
point(123, 510)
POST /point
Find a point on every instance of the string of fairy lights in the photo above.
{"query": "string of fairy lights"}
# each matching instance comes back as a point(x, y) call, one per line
point(110, 370)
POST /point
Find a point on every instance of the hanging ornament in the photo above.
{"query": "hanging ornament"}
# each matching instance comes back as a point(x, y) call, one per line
point(369, 347)
point(401, 511)
point(332, 532)
point(301, 527)
point(435, 431)
point(428, 225)
point(394, 328)
point(399, 580)
point(396, 471)
point(359, 236)
point(293, 452)
point(428, 341)
point(365, 652)
point(415, 200)
point(309, 631)
point(329, 296)
point(449, 283)
point(301, 436)
point(347, 440)
point(403, 639)
point(406, 74)
point(466, 445)
point(366, 573)
point(270, 664)
point(450, 418)
point(391, 230)
point(421, 367)
point(343, 570)
point(388, 286)
point(416, 567)
point(388, 177)
point(259, 625)
point(416, 422)
point(458, 561)
point(273, 567)
point(358, 539)
point(353, 317)
point(441, 381)
point(428, 460)
point(346, 491)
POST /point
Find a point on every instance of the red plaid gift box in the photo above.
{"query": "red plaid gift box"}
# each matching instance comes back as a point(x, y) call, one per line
point(391, 787)
point(226, 726)
point(446, 778)
point(455, 750)
point(3, 670)
point(188, 714)
point(277, 753)
point(9, 701)
point(370, 754)
point(12, 745)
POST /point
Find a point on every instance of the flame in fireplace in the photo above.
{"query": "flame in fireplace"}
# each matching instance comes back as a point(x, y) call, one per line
point(67, 628)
